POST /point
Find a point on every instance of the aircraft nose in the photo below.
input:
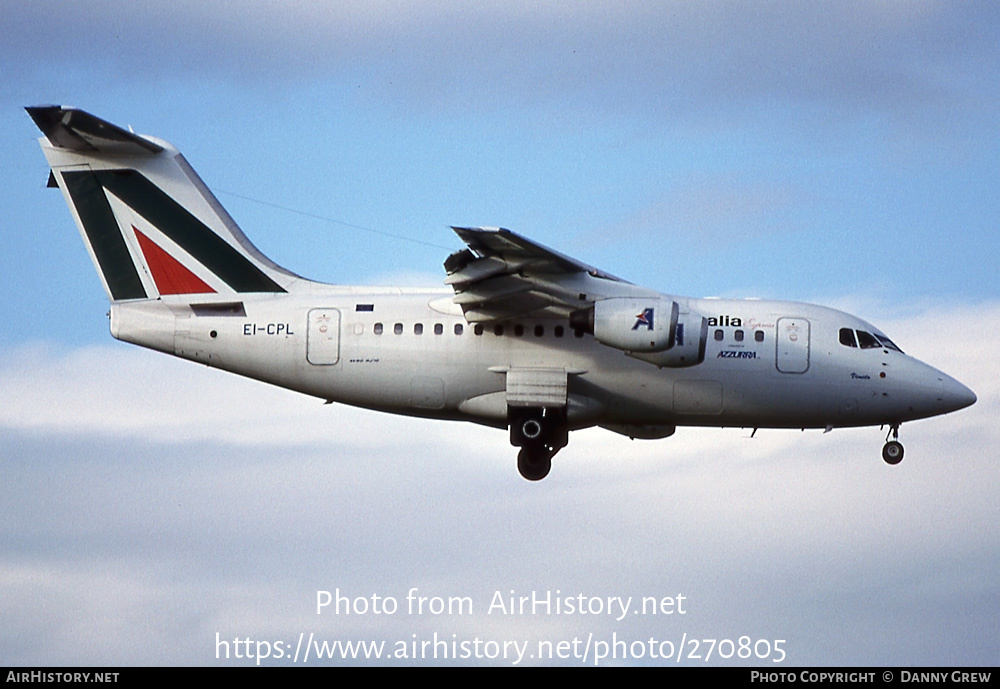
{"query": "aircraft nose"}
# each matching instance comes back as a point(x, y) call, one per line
point(954, 395)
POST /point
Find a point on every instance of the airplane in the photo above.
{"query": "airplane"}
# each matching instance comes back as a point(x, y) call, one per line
point(521, 337)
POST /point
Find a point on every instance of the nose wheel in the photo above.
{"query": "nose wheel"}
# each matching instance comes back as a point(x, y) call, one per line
point(892, 451)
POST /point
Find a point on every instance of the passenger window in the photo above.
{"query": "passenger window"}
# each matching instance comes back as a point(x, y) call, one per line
point(738, 335)
point(478, 329)
point(498, 330)
point(378, 328)
point(459, 329)
point(518, 330)
point(559, 331)
point(438, 328)
point(398, 328)
point(758, 335)
point(539, 330)
point(847, 337)
point(718, 335)
point(867, 340)
point(418, 328)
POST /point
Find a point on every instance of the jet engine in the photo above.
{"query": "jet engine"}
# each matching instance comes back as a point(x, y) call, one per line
point(690, 341)
point(629, 323)
point(650, 329)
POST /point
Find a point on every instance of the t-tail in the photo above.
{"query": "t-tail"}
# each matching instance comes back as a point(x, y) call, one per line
point(153, 229)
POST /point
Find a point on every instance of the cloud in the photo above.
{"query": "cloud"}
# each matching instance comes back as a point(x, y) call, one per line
point(150, 398)
point(680, 58)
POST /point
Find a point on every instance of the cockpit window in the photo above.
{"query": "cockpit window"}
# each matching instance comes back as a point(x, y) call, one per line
point(887, 343)
point(867, 340)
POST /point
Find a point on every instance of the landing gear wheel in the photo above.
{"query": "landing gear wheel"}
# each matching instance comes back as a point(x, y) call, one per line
point(892, 452)
point(534, 464)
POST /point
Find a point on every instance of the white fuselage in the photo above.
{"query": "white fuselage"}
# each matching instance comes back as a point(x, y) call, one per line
point(766, 363)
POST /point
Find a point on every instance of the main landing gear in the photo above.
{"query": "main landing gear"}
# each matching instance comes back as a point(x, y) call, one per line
point(892, 451)
point(540, 432)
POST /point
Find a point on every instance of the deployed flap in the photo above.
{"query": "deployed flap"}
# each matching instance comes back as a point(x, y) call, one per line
point(80, 131)
point(503, 275)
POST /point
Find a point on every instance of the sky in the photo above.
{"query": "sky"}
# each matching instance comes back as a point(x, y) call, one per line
point(840, 153)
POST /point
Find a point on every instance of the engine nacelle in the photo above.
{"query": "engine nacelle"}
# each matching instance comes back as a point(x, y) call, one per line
point(690, 341)
point(632, 324)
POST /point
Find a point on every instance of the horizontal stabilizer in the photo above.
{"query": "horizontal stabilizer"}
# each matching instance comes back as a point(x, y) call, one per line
point(80, 131)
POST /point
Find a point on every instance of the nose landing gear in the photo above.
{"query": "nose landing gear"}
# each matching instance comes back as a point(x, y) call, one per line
point(892, 451)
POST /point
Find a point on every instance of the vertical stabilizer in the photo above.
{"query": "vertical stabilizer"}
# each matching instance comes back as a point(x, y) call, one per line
point(152, 227)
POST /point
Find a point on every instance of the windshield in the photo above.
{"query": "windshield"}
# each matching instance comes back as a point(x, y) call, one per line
point(865, 340)
point(887, 343)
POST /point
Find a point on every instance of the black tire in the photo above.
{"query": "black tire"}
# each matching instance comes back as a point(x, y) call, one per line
point(534, 465)
point(892, 452)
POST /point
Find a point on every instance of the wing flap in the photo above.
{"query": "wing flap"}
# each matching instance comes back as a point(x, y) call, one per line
point(527, 305)
point(481, 269)
point(491, 290)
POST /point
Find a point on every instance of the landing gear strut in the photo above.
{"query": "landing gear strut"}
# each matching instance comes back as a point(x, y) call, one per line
point(540, 432)
point(892, 451)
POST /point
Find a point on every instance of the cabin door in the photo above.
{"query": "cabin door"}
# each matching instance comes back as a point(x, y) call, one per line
point(323, 337)
point(793, 345)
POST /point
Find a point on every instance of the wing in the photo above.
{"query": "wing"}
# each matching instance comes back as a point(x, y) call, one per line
point(503, 275)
